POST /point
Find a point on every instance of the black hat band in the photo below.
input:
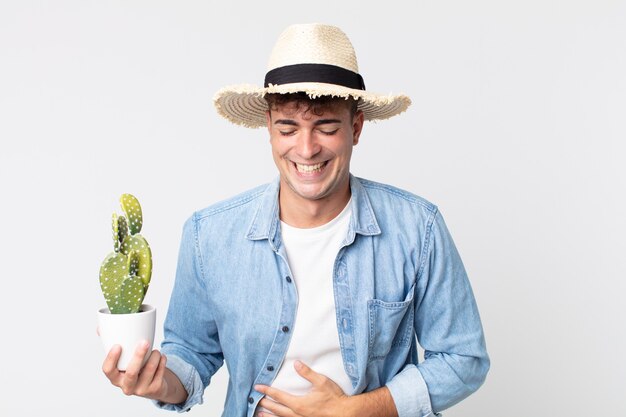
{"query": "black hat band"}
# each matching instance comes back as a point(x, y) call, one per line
point(314, 73)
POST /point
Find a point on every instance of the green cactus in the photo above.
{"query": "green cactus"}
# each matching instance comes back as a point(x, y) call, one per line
point(125, 273)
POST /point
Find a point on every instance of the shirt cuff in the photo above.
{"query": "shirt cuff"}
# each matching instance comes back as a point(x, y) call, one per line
point(190, 379)
point(410, 394)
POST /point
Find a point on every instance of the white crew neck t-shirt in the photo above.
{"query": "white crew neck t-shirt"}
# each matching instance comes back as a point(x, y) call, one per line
point(311, 256)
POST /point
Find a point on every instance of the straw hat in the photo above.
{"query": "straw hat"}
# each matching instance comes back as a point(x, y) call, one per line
point(312, 58)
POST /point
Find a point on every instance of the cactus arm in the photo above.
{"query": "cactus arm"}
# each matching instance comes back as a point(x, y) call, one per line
point(131, 294)
point(116, 234)
point(122, 225)
point(139, 244)
point(132, 209)
point(113, 271)
point(132, 289)
point(123, 289)
point(120, 231)
point(133, 262)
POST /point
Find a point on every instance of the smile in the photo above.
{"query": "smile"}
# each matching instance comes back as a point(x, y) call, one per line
point(307, 169)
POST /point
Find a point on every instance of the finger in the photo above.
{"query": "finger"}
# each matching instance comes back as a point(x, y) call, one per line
point(276, 409)
point(276, 394)
point(266, 414)
point(160, 373)
point(148, 372)
point(98, 330)
point(109, 366)
point(158, 385)
point(134, 367)
point(308, 373)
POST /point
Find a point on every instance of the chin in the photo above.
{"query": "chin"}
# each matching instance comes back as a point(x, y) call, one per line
point(312, 196)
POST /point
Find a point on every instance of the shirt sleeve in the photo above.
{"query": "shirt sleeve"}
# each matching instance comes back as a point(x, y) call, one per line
point(190, 341)
point(190, 379)
point(410, 393)
point(448, 327)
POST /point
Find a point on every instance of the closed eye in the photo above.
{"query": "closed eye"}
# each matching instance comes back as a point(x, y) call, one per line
point(329, 132)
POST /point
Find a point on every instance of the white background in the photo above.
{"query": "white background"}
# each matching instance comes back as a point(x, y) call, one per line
point(516, 132)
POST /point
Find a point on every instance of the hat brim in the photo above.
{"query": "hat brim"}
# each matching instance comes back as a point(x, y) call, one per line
point(245, 104)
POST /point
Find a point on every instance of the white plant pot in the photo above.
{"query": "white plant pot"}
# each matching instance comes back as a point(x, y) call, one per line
point(127, 330)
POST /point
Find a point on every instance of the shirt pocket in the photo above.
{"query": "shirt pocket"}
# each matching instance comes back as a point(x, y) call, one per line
point(390, 325)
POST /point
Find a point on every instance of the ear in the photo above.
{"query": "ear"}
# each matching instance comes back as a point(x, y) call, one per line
point(357, 126)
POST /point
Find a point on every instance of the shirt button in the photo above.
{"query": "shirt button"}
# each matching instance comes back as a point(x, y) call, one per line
point(285, 329)
point(250, 400)
point(288, 278)
point(270, 368)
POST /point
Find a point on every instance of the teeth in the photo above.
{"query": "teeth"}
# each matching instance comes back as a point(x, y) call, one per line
point(309, 168)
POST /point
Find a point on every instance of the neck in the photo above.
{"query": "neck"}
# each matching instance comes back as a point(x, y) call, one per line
point(302, 213)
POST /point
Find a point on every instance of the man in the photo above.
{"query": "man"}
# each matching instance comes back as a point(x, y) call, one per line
point(315, 289)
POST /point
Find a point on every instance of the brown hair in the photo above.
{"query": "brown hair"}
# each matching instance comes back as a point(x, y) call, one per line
point(316, 105)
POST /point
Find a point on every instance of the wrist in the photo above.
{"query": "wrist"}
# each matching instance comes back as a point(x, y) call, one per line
point(377, 403)
point(347, 407)
point(173, 391)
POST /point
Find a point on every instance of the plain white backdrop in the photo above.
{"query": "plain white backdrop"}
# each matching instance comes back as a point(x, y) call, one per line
point(516, 132)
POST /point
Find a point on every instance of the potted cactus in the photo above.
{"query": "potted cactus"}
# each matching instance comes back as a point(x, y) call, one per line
point(124, 279)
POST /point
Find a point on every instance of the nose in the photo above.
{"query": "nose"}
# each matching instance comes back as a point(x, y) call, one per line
point(308, 145)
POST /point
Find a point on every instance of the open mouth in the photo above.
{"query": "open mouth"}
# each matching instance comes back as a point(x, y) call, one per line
point(309, 169)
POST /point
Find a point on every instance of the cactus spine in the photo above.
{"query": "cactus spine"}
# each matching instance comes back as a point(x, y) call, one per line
point(125, 273)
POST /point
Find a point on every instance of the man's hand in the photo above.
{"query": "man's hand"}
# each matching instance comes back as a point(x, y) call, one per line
point(326, 398)
point(153, 381)
point(148, 382)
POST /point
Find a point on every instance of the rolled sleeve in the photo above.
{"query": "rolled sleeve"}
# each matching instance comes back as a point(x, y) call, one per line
point(410, 393)
point(190, 379)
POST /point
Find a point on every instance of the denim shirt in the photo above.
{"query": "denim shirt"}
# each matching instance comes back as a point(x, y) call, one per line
point(398, 281)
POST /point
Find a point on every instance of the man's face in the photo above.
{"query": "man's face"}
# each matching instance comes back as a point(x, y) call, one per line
point(312, 152)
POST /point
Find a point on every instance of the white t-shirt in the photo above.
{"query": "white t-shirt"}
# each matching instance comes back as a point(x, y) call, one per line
point(311, 255)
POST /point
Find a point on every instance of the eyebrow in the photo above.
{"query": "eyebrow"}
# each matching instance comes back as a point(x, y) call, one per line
point(291, 122)
point(285, 122)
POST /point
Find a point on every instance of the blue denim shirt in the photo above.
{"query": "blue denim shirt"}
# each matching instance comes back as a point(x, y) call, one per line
point(398, 280)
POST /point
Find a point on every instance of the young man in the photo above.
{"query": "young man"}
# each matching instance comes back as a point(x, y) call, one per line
point(315, 289)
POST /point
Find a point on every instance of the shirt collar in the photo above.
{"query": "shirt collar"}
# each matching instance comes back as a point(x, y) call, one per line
point(266, 222)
